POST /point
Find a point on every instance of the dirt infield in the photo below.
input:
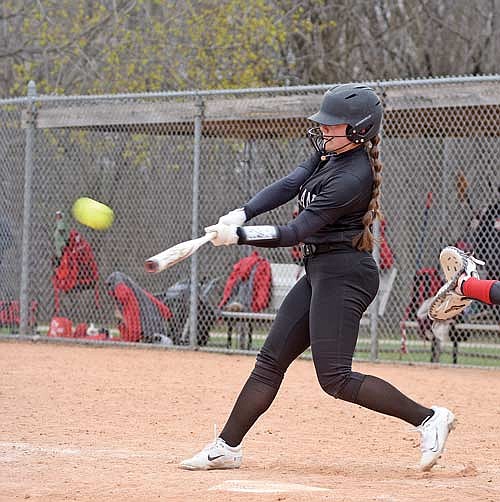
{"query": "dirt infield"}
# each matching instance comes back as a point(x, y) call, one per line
point(102, 424)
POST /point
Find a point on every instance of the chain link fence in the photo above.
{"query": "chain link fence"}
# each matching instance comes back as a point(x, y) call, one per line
point(170, 164)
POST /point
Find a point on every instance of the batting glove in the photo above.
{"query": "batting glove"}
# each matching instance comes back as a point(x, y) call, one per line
point(226, 234)
point(236, 217)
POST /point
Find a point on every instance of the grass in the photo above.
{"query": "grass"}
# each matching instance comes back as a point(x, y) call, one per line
point(472, 353)
point(478, 352)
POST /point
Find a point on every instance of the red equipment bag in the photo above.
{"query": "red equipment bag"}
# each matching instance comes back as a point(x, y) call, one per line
point(77, 269)
point(60, 327)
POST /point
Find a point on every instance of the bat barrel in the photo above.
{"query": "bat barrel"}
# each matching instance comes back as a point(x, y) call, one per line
point(151, 266)
point(176, 253)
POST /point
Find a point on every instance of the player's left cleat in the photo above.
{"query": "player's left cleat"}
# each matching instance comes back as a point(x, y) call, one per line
point(434, 431)
point(216, 455)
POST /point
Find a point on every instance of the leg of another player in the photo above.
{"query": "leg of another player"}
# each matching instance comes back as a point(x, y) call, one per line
point(486, 291)
point(453, 298)
point(460, 269)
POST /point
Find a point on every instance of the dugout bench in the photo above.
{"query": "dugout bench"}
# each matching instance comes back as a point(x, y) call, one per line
point(283, 277)
point(245, 321)
point(462, 333)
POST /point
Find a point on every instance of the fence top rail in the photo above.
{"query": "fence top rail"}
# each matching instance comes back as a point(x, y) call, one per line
point(267, 112)
point(14, 101)
point(257, 90)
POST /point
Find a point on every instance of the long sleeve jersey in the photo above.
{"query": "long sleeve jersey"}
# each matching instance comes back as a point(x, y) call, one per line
point(333, 196)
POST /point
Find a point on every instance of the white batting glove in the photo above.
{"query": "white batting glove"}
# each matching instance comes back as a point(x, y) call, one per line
point(226, 234)
point(236, 217)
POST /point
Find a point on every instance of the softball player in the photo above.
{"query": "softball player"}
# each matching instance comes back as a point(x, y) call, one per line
point(338, 190)
point(462, 287)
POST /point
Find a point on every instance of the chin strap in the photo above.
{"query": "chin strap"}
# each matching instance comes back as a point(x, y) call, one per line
point(327, 155)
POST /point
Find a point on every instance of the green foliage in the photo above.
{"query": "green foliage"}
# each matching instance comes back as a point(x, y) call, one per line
point(109, 46)
point(239, 49)
point(83, 46)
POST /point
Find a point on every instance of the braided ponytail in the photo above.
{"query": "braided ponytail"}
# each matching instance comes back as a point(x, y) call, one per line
point(365, 240)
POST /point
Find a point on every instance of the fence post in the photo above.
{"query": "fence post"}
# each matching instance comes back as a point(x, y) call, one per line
point(193, 306)
point(28, 177)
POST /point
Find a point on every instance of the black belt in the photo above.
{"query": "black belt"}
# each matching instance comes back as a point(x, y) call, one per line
point(312, 249)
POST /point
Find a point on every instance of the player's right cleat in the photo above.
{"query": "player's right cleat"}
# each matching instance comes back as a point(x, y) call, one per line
point(216, 455)
point(434, 431)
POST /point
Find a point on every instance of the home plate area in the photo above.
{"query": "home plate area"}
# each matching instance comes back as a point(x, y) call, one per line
point(248, 486)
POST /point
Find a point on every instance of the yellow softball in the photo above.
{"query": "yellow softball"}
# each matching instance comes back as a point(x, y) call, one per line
point(93, 214)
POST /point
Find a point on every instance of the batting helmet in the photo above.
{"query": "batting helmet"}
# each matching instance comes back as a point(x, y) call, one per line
point(356, 105)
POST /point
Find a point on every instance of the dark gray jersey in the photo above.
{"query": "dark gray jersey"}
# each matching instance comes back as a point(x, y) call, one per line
point(333, 197)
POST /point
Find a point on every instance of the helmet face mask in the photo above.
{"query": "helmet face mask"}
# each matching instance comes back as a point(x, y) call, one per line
point(316, 138)
point(356, 105)
point(320, 140)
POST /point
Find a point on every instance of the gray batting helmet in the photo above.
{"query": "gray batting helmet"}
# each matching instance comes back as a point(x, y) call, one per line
point(356, 105)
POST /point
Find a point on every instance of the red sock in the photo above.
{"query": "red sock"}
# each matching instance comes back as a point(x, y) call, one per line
point(478, 289)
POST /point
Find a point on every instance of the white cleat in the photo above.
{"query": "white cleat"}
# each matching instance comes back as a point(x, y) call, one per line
point(216, 455)
point(457, 268)
point(434, 431)
point(455, 263)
